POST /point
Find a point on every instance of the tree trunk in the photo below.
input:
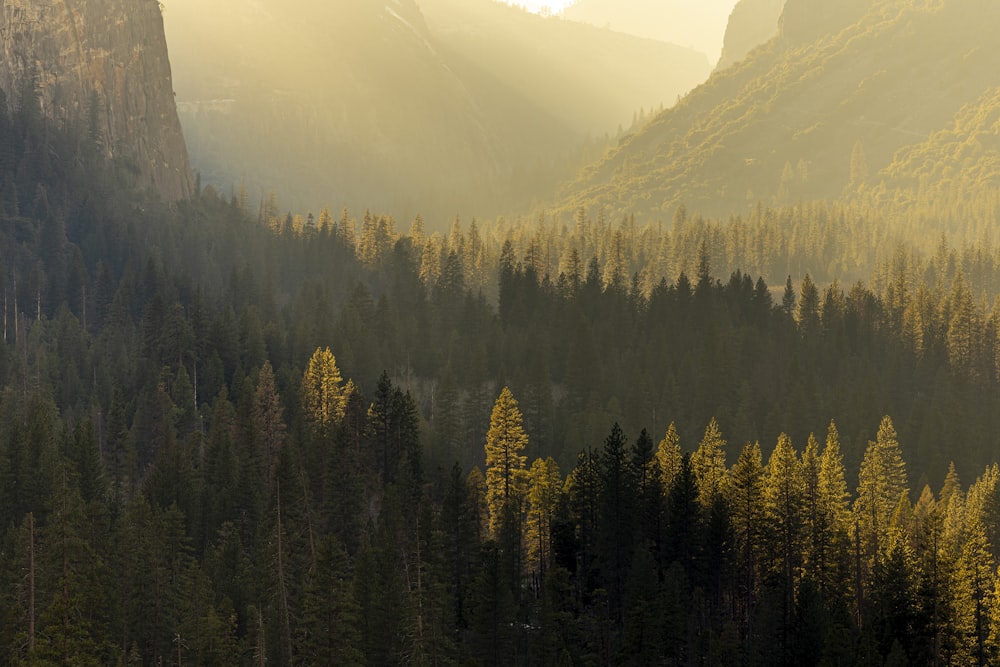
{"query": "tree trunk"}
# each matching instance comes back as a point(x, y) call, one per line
point(31, 583)
point(282, 589)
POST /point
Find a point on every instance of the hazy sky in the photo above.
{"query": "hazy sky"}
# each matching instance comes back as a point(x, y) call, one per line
point(538, 5)
point(700, 24)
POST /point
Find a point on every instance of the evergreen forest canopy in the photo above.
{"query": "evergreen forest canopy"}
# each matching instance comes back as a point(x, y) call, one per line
point(235, 435)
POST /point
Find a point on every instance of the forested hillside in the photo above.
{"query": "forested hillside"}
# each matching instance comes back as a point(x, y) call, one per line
point(235, 435)
point(814, 114)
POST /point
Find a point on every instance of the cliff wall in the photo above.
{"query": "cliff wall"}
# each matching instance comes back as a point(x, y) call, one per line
point(111, 53)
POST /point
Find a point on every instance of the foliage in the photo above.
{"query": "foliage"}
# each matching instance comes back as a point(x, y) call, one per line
point(185, 470)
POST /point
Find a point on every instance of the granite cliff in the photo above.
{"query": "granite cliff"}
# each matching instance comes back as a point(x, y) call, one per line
point(108, 53)
point(752, 23)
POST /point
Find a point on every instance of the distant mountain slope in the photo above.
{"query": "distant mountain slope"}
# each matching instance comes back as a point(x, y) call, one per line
point(696, 23)
point(102, 62)
point(343, 103)
point(358, 104)
point(589, 79)
point(960, 160)
point(784, 124)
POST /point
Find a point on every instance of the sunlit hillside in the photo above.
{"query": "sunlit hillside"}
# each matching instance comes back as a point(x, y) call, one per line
point(788, 123)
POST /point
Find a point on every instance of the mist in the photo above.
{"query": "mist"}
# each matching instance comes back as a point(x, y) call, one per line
point(413, 106)
point(699, 24)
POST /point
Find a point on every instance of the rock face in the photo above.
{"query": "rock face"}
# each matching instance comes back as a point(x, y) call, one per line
point(752, 23)
point(805, 20)
point(108, 53)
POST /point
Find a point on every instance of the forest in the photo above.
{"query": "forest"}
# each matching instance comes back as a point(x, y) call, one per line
point(237, 435)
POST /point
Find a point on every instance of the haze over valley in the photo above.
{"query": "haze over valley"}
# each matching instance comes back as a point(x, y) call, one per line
point(440, 107)
point(445, 332)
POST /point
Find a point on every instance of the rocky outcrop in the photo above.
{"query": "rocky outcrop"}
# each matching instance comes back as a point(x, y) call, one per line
point(805, 20)
point(108, 53)
point(751, 23)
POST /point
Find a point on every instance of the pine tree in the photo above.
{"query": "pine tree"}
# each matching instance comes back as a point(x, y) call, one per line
point(784, 495)
point(380, 591)
point(446, 420)
point(583, 487)
point(668, 455)
point(709, 465)
point(893, 599)
point(788, 298)
point(505, 470)
point(977, 574)
point(267, 419)
point(830, 528)
point(492, 611)
point(323, 399)
point(685, 525)
point(328, 628)
point(963, 334)
point(544, 489)
point(746, 501)
point(808, 310)
point(459, 525)
point(71, 600)
point(881, 483)
point(618, 505)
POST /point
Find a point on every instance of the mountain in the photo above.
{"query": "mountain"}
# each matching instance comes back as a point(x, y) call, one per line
point(588, 79)
point(363, 104)
point(699, 25)
point(953, 165)
point(104, 61)
point(809, 115)
point(752, 23)
point(342, 103)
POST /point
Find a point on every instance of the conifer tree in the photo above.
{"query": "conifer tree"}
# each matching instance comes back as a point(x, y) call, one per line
point(784, 496)
point(977, 577)
point(328, 629)
point(881, 482)
point(963, 327)
point(668, 455)
point(583, 487)
point(788, 298)
point(544, 489)
point(267, 418)
point(323, 399)
point(505, 470)
point(71, 597)
point(808, 309)
point(746, 501)
point(709, 465)
point(446, 421)
point(616, 520)
point(833, 494)
point(685, 524)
